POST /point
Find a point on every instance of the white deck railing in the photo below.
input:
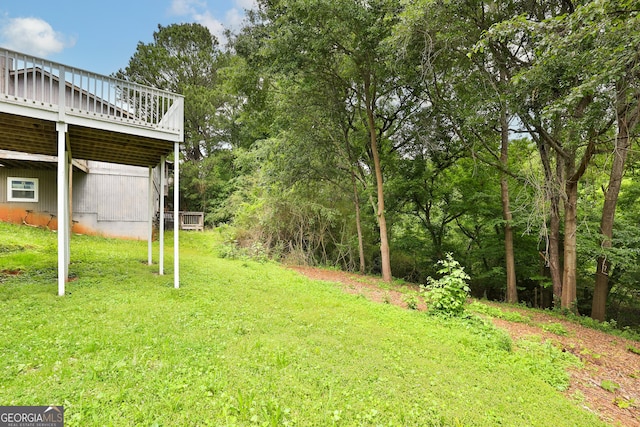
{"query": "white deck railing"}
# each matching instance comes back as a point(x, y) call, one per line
point(34, 82)
point(188, 220)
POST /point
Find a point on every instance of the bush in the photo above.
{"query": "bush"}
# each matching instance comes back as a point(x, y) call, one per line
point(448, 294)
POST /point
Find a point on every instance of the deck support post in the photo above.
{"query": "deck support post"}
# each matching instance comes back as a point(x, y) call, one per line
point(69, 200)
point(161, 225)
point(176, 214)
point(63, 207)
point(150, 219)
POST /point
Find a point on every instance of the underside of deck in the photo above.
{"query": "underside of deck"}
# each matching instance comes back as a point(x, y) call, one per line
point(39, 136)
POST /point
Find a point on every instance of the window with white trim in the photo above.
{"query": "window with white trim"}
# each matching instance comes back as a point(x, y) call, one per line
point(22, 189)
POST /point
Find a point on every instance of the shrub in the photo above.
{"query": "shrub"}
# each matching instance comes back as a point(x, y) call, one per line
point(448, 294)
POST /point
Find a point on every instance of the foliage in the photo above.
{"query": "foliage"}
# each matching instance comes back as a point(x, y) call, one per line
point(187, 59)
point(184, 58)
point(283, 120)
point(448, 294)
point(610, 327)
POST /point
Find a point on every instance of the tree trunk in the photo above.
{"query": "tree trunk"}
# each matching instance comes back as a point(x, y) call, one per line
point(512, 290)
point(555, 267)
point(356, 201)
point(382, 222)
point(573, 175)
point(552, 185)
point(555, 242)
point(569, 286)
point(622, 145)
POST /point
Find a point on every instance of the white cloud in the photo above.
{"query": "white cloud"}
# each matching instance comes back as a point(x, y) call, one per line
point(246, 4)
point(185, 7)
point(34, 36)
point(215, 26)
point(199, 12)
point(234, 18)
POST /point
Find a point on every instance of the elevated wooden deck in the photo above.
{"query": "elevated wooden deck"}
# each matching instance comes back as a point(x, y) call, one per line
point(108, 119)
point(51, 109)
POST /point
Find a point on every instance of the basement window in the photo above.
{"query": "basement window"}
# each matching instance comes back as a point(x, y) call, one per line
point(22, 189)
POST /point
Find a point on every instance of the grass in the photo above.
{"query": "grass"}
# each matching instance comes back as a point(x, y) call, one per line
point(492, 311)
point(514, 316)
point(243, 343)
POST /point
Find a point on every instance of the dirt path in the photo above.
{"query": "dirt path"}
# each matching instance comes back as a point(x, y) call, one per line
point(609, 382)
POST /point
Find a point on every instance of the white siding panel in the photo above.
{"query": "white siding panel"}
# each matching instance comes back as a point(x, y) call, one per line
point(121, 198)
point(85, 197)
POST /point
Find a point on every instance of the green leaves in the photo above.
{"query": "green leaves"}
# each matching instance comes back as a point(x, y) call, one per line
point(448, 295)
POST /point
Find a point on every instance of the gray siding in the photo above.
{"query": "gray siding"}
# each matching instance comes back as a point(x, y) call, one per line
point(111, 199)
point(122, 198)
point(85, 199)
point(46, 188)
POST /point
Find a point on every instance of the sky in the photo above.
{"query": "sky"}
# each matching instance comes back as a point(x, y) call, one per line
point(101, 36)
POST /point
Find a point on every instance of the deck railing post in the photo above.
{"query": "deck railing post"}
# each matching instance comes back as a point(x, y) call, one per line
point(61, 95)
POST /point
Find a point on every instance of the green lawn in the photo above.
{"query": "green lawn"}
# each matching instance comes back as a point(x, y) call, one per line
point(248, 344)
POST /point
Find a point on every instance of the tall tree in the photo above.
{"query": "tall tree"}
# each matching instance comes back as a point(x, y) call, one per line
point(582, 84)
point(614, 64)
point(342, 44)
point(469, 89)
point(184, 58)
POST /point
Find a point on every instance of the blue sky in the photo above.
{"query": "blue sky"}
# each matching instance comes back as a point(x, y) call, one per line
point(101, 36)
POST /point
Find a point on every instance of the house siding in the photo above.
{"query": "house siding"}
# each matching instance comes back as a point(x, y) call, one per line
point(110, 200)
point(46, 188)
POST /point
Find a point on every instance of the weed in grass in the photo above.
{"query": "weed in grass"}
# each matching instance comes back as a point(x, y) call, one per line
point(547, 362)
point(274, 414)
point(244, 404)
point(633, 349)
point(588, 352)
point(8, 248)
point(280, 359)
point(555, 328)
point(510, 316)
point(386, 299)
point(623, 403)
point(411, 301)
point(578, 397)
point(609, 386)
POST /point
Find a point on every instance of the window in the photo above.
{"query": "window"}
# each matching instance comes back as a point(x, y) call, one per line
point(22, 189)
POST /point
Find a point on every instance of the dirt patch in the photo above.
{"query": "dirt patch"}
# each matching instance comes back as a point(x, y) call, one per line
point(608, 384)
point(10, 272)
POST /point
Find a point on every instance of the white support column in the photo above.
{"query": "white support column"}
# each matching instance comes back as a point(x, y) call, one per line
point(150, 219)
point(63, 204)
point(68, 201)
point(161, 226)
point(176, 211)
